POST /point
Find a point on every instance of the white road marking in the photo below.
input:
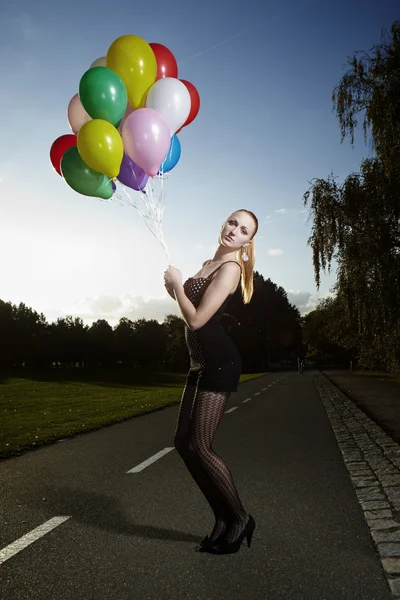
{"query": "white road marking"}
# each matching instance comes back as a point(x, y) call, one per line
point(231, 410)
point(270, 385)
point(247, 400)
point(150, 461)
point(264, 389)
point(257, 393)
point(27, 539)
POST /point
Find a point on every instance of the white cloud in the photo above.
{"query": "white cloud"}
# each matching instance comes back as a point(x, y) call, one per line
point(114, 308)
point(275, 251)
point(305, 301)
point(281, 210)
point(105, 304)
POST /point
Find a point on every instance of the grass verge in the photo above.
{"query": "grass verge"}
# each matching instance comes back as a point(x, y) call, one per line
point(41, 407)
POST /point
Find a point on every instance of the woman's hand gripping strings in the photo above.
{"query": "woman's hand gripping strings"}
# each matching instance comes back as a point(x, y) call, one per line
point(172, 276)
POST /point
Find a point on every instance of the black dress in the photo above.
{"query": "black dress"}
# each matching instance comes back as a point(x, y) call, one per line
point(215, 362)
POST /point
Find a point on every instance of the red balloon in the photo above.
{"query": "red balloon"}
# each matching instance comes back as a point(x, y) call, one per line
point(166, 62)
point(59, 148)
point(195, 100)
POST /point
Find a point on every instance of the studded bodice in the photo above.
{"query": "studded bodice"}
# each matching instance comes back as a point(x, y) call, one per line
point(215, 362)
point(210, 342)
point(194, 290)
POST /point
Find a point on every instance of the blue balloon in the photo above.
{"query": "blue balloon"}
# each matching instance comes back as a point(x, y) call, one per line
point(173, 156)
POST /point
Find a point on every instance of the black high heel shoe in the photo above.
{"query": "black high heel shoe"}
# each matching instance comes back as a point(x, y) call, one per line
point(206, 544)
point(224, 547)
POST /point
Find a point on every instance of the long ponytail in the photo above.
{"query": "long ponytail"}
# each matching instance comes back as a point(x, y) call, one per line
point(248, 265)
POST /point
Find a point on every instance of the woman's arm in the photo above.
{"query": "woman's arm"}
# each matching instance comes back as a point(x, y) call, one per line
point(221, 285)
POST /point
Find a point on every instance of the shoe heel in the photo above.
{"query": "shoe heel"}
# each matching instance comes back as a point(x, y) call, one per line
point(249, 538)
point(249, 534)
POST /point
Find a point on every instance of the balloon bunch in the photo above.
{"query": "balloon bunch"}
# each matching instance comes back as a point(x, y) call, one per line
point(125, 121)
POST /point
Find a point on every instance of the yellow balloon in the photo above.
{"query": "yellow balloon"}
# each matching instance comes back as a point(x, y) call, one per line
point(134, 60)
point(100, 146)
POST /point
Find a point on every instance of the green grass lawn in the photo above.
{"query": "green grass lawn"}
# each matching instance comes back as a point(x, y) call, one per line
point(39, 407)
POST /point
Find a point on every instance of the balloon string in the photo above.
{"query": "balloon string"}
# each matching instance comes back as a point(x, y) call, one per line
point(149, 199)
point(160, 206)
point(158, 210)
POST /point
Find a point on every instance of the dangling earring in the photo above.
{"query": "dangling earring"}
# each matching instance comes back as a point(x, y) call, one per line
point(245, 258)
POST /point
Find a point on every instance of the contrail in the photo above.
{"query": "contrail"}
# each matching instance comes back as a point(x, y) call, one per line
point(227, 40)
point(307, 4)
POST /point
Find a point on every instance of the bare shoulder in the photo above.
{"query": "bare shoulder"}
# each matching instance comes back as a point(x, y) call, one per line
point(227, 270)
point(231, 267)
point(228, 276)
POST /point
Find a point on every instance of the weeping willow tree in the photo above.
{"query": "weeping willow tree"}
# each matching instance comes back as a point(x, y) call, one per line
point(357, 223)
point(371, 88)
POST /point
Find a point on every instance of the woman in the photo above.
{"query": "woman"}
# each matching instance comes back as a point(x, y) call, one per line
point(214, 373)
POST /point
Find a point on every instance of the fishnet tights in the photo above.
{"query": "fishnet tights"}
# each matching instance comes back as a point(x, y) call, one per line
point(199, 417)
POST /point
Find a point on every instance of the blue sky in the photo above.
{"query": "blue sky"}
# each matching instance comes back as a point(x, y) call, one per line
point(265, 72)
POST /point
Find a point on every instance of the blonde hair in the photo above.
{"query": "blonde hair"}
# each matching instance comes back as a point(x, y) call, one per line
point(248, 265)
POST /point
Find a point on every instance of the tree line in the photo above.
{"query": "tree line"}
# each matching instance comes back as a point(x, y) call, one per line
point(267, 329)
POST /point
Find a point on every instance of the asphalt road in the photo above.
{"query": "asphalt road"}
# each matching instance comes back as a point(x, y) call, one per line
point(88, 518)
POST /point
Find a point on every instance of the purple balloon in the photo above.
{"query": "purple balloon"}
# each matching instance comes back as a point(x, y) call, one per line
point(132, 175)
point(114, 187)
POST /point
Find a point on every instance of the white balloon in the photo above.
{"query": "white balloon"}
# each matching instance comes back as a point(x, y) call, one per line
point(77, 115)
point(99, 62)
point(170, 97)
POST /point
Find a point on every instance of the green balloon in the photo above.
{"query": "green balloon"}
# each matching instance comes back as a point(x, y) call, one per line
point(103, 94)
point(82, 178)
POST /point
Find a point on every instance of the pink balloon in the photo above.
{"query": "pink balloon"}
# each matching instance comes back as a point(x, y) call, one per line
point(146, 138)
point(77, 115)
